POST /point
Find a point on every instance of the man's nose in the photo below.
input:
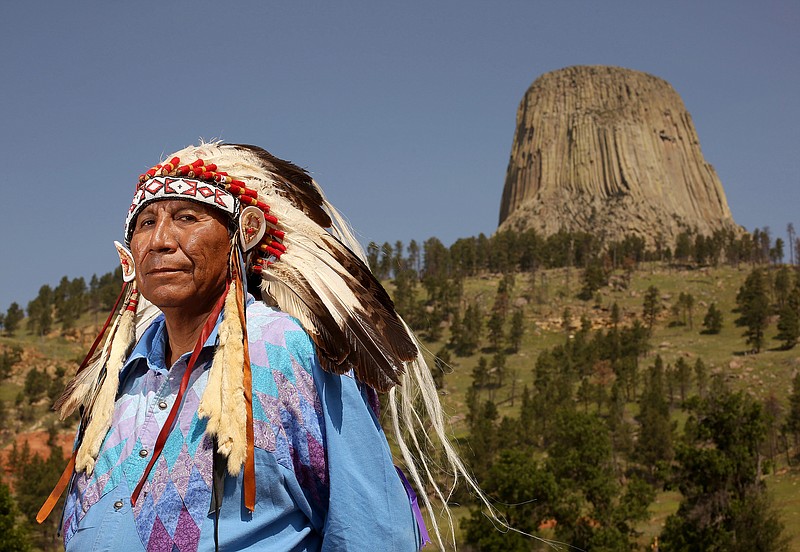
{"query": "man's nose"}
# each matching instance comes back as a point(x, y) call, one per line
point(163, 236)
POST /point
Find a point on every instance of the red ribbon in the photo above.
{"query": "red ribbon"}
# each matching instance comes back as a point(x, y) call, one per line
point(173, 413)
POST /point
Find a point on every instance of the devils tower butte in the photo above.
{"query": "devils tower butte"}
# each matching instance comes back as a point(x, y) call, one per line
point(613, 152)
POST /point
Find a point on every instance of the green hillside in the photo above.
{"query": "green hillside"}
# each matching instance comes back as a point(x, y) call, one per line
point(495, 406)
point(766, 376)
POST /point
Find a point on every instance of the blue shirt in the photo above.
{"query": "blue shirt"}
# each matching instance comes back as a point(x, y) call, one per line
point(324, 473)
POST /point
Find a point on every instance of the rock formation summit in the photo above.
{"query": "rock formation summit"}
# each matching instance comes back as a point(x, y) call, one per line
point(613, 152)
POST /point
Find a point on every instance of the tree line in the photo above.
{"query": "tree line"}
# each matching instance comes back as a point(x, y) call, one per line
point(595, 439)
point(61, 306)
point(529, 251)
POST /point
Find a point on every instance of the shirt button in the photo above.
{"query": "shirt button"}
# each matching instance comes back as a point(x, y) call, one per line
point(162, 405)
point(143, 453)
point(118, 505)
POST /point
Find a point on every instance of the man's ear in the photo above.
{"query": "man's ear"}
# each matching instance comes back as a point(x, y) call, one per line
point(126, 260)
point(252, 227)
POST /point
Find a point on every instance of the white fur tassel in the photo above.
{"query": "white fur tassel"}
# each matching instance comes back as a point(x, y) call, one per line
point(103, 407)
point(223, 400)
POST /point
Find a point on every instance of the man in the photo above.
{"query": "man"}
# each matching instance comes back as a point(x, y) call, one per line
point(230, 423)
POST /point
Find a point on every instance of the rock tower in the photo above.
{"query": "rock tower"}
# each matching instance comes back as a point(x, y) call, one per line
point(613, 152)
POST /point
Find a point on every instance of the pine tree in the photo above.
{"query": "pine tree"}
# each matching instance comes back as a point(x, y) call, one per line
point(527, 414)
point(414, 257)
point(70, 301)
point(776, 253)
point(621, 431)
point(683, 247)
point(499, 367)
point(40, 311)
point(773, 415)
point(654, 448)
point(651, 307)
point(496, 331)
point(34, 478)
point(595, 276)
point(683, 376)
point(13, 536)
point(441, 364)
point(525, 494)
point(782, 285)
point(36, 383)
point(405, 294)
point(466, 336)
point(701, 376)
point(616, 317)
point(580, 457)
point(517, 329)
point(789, 320)
point(385, 262)
point(688, 308)
point(712, 322)
point(373, 256)
point(480, 374)
point(725, 505)
point(8, 359)
point(792, 423)
point(14, 316)
point(753, 308)
point(483, 439)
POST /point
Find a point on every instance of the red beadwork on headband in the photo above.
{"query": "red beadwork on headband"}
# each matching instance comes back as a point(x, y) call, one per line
point(271, 245)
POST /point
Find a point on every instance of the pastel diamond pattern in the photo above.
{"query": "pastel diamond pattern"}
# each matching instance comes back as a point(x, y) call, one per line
point(178, 490)
point(175, 499)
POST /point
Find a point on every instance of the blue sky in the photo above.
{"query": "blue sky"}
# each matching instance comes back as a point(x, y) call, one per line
point(404, 111)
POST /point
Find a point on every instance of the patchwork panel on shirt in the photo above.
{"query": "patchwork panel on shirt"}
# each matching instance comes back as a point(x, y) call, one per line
point(86, 489)
point(175, 499)
point(176, 496)
point(182, 472)
point(287, 411)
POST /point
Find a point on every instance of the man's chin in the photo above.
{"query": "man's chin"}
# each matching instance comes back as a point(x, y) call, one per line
point(169, 296)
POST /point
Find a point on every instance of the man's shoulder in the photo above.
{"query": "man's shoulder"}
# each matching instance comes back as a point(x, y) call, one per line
point(271, 325)
point(261, 314)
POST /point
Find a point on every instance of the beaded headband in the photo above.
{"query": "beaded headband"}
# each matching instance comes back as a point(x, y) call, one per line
point(203, 183)
point(165, 187)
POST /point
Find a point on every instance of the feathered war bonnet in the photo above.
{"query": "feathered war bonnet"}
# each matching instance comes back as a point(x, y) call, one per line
point(288, 239)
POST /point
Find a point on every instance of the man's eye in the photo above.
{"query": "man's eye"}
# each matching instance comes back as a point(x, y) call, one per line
point(187, 217)
point(145, 222)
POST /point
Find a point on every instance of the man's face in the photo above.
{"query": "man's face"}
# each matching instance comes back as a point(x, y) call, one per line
point(181, 253)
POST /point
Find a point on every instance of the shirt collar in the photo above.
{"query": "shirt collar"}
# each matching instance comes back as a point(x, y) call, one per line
point(152, 344)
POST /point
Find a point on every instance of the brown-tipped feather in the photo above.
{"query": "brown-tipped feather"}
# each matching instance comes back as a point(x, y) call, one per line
point(296, 297)
point(383, 314)
point(373, 331)
point(295, 184)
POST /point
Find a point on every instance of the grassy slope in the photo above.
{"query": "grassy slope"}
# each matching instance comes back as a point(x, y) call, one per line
point(761, 375)
point(769, 372)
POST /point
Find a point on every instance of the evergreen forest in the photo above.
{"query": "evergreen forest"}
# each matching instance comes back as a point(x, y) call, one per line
point(606, 395)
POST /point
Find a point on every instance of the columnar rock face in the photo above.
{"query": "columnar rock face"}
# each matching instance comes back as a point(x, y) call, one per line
point(613, 152)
